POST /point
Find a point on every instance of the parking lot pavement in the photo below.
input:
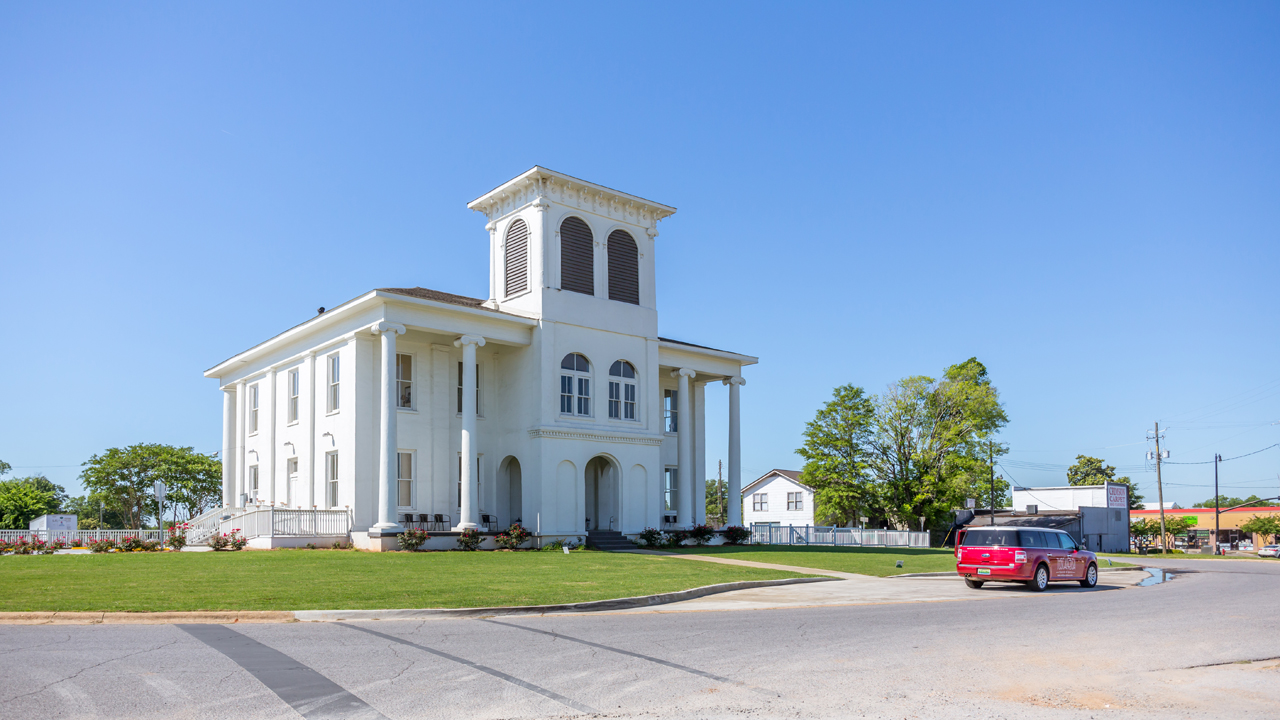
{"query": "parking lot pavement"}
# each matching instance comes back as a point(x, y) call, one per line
point(1185, 648)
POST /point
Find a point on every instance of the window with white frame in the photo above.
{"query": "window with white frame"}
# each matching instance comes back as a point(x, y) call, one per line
point(670, 400)
point(795, 501)
point(291, 489)
point(293, 385)
point(404, 380)
point(253, 408)
point(334, 376)
point(477, 479)
point(331, 478)
point(404, 480)
point(253, 483)
point(669, 489)
point(622, 391)
point(575, 385)
point(760, 502)
point(477, 388)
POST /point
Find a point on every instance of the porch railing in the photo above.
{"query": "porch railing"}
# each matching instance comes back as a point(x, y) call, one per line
point(763, 534)
point(288, 522)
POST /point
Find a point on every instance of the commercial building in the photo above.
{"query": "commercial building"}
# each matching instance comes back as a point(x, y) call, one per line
point(1096, 516)
point(1201, 534)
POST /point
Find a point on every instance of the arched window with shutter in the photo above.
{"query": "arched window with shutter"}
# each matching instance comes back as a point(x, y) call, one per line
point(516, 261)
point(624, 268)
point(577, 257)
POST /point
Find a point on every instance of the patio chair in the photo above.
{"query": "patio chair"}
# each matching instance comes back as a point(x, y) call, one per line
point(407, 522)
point(489, 522)
point(425, 522)
point(443, 522)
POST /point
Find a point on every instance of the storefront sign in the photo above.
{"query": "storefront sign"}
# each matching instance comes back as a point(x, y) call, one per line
point(1117, 496)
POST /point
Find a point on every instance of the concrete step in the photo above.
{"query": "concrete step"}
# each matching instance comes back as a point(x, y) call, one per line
point(609, 540)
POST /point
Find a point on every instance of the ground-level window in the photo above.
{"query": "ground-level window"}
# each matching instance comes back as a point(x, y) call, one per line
point(795, 501)
point(331, 477)
point(669, 486)
point(253, 482)
point(760, 502)
point(670, 398)
point(404, 479)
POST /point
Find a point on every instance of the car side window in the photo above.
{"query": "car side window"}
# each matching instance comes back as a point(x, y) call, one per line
point(1066, 541)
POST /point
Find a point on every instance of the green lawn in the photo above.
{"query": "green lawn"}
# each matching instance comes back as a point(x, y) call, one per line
point(863, 561)
point(342, 580)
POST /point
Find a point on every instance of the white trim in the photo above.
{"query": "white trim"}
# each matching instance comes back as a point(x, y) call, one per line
point(588, 435)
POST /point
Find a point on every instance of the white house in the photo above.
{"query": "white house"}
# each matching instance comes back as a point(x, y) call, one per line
point(779, 498)
point(552, 402)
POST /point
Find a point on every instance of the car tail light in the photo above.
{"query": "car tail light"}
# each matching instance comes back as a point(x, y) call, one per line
point(1019, 556)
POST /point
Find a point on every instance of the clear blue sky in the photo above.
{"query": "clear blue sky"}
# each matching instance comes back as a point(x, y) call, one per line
point(1086, 198)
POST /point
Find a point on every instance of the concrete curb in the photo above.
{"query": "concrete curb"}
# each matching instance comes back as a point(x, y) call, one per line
point(592, 606)
point(956, 576)
point(144, 618)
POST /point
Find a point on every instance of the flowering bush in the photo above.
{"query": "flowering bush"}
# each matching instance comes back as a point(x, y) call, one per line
point(702, 534)
point(651, 537)
point(102, 545)
point(178, 538)
point(29, 546)
point(412, 539)
point(736, 535)
point(676, 538)
point(513, 537)
point(228, 541)
point(469, 539)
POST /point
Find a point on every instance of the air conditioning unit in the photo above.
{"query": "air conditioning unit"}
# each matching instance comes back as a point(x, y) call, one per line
point(1033, 509)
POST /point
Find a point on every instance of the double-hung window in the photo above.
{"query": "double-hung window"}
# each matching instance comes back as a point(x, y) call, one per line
point(253, 483)
point(292, 380)
point(477, 388)
point(331, 477)
point(334, 376)
point(669, 486)
point(760, 502)
point(795, 501)
point(253, 408)
point(575, 385)
point(670, 400)
point(622, 391)
point(404, 480)
point(404, 380)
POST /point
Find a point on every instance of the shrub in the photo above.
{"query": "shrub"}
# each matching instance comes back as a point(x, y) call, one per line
point(340, 545)
point(412, 539)
point(30, 546)
point(676, 538)
point(701, 534)
point(5, 546)
point(553, 546)
point(469, 539)
point(513, 537)
point(102, 545)
point(736, 535)
point(230, 542)
point(178, 538)
point(651, 537)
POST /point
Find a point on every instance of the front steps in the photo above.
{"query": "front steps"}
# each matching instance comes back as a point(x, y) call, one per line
point(610, 540)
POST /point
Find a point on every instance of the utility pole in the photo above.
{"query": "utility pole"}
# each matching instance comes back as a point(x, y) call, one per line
point(991, 465)
point(1217, 500)
point(1164, 549)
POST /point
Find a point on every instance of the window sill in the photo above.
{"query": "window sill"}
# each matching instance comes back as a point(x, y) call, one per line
point(332, 412)
point(291, 424)
point(459, 415)
point(407, 410)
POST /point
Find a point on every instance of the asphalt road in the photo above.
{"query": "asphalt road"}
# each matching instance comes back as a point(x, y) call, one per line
point(1177, 649)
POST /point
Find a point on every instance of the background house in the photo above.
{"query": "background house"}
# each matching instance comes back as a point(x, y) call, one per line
point(778, 497)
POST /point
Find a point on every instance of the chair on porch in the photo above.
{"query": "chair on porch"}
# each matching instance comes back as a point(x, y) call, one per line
point(443, 522)
point(489, 522)
point(425, 522)
point(407, 522)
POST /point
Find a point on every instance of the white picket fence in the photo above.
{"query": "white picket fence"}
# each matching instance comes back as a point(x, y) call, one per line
point(79, 538)
point(762, 534)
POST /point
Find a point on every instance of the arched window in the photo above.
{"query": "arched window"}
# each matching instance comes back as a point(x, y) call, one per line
point(516, 261)
point(622, 391)
point(624, 268)
point(575, 385)
point(577, 257)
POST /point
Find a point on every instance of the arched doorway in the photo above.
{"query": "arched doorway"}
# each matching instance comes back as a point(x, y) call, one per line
point(509, 496)
point(602, 504)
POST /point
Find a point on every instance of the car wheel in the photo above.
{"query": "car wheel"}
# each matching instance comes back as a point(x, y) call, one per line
point(1040, 580)
point(1090, 577)
point(975, 584)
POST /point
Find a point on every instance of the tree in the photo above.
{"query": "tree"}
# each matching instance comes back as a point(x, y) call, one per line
point(125, 479)
point(1090, 470)
point(1265, 526)
point(1144, 532)
point(717, 501)
point(194, 480)
point(835, 451)
point(21, 501)
point(1226, 502)
point(88, 508)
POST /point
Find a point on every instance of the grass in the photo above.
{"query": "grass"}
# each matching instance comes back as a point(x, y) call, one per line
point(342, 580)
point(880, 562)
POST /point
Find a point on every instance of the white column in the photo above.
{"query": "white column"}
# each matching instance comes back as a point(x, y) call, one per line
point(388, 441)
point(735, 451)
point(470, 514)
point(271, 435)
point(311, 429)
point(684, 475)
point(228, 447)
point(699, 453)
point(242, 452)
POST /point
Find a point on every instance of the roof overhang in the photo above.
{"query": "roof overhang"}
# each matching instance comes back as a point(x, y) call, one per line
point(546, 180)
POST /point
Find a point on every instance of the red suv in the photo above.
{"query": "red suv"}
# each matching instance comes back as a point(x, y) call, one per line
point(1035, 557)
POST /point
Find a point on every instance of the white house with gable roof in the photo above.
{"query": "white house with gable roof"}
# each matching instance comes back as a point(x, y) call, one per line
point(779, 498)
point(553, 402)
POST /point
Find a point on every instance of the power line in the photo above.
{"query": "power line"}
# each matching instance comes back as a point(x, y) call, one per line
point(1210, 462)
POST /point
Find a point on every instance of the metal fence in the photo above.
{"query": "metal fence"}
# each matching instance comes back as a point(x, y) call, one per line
point(79, 538)
point(762, 534)
point(285, 522)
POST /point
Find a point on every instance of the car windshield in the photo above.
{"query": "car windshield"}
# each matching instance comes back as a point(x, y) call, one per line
point(987, 538)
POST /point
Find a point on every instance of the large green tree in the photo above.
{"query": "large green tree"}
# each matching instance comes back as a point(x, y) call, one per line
point(125, 478)
point(835, 452)
point(1226, 502)
point(194, 481)
point(1268, 526)
point(24, 499)
point(1090, 470)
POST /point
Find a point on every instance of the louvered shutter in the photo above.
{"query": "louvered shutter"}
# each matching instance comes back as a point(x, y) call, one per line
point(516, 268)
point(624, 268)
point(577, 257)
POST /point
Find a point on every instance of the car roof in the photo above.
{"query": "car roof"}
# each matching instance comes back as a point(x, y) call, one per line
point(990, 528)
